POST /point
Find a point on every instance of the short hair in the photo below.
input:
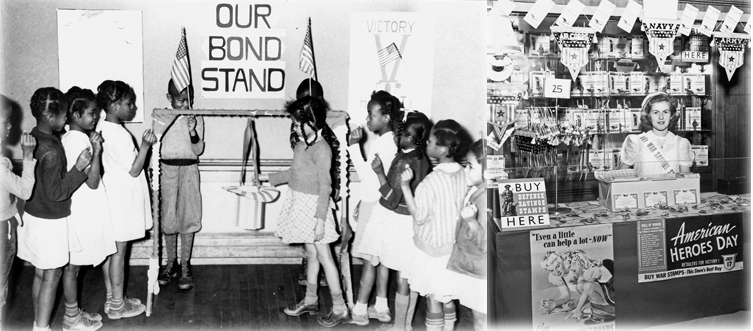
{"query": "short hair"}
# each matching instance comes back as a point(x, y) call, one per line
point(173, 90)
point(649, 102)
point(110, 92)
point(48, 101)
point(309, 87)
point(452, 135)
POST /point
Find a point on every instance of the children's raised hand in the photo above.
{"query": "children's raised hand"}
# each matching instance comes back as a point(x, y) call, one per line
point(148, 138)
point(96, 141)
point(356, 135)
point(406, 175)
point(84, 159)
point(319, 229)
point(376, 165)
point(28, 144)
point(191, 123)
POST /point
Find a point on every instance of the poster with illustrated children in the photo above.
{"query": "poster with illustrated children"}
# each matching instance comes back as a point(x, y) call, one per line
point(689, 246)
point(572, 278)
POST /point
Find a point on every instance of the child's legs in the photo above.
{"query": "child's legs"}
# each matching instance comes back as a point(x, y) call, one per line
point(46, 298)
point(8, 250)
point(433, 306)
point(70, 283)
point(35, 286)
point(479, 321)
point(403, 288)
point(367, 282)
point(383, 275)
point(449, 307)
point(330, 269)
point(106, 275)
point(312, 268)
point(117, 270)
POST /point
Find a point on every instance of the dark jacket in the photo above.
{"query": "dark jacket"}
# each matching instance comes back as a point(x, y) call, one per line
point(392, 195)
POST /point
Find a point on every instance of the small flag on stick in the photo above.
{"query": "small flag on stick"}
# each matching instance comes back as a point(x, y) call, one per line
point(388, 54)
point(306, 62)
point(180, 73)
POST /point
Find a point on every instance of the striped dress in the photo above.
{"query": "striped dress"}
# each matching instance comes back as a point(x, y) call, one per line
point(439, 199)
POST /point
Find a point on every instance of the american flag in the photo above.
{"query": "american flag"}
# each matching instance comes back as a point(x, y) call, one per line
point(180, 73)
point(306, 62)
point(388, 54)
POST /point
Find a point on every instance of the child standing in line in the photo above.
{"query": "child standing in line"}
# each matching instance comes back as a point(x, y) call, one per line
point(89, 226)
point(43, 237)
point(384, 115)
point(468, 259)
point(307, 213)
point(389, 233)
point(436, 210)
point(12, 187)
point(182, 144)
point(127, 190)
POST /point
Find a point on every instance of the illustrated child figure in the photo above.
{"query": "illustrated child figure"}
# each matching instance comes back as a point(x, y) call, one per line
point(182, 144)
point(89, 226)
point(384, 116)
point(436, 211)
point(126, 187)
point(389, 232)
point(43, 237)
point(468, 259)
point(11, 188)
point(307, 214)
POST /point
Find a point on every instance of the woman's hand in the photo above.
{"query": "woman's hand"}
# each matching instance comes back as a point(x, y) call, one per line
point(28, 144)
point(319, 229)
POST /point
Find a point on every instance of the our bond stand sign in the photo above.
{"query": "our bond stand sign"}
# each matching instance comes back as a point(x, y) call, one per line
point(523, 203)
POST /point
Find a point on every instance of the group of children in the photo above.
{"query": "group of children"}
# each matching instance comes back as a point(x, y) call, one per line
point(425, 222)
point(86, 198)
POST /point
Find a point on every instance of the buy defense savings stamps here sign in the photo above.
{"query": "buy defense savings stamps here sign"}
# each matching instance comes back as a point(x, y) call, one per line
point(688, 247)
point(523, 203)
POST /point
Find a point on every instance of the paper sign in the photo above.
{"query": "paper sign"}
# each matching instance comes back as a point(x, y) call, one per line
point(686, 197)
point(538, 12)
point(523, 203)
point(748, 27)
point(622, 201)
point(730, 22)
point(653, 198)
point(600, 18)
point(491, 142)
point(557, 88)
point(660, 9)
point(570, 14)
point(505, 6)
point(631, 13)
point(689, 15)
point(709, 21)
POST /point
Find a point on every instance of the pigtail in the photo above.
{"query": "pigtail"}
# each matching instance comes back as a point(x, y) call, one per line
point(334, 170)
point(48, 102)
point(421, 126)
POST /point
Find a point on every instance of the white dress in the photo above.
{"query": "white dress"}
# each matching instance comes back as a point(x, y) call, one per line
point(676, 151)
point(127, 196)
point(89, 224)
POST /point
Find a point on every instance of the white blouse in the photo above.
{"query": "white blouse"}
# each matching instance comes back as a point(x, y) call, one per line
point(676, 151)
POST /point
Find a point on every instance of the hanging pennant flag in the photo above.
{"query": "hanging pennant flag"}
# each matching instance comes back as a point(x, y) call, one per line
point(731, 50)
point(661, 36)
point(709, 21)
point(570, 14)
point(631, 13)
point(731, 20)
point(688, 18)
point(600, 18)
point(574, 45)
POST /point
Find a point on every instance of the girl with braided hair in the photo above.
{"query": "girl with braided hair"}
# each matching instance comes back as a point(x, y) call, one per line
point(307, 214)
point(436, 212)
point(384, 117)
point(389, 232)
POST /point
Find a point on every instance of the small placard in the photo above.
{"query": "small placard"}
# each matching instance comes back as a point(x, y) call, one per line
point(491, 141)
point(523, 203)
point(506, 6)
point(631, 13)
point(653, 198)
point(557, 88)
point(731, 20)
point(600, 18)
point(709, 21)
point(495, 165)
point(538, 12)
point(570, 14)
point(688, 18)
point(621, 201)
point(689, 196)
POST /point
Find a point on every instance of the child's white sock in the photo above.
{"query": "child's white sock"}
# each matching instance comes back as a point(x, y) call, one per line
point(37, 328)
point(381, 304)
point(359, 308)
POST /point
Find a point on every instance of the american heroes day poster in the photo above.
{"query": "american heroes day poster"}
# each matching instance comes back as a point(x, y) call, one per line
point(572, 278)
point(685, 247)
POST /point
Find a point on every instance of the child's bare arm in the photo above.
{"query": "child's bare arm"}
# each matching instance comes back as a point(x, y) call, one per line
point(147, 140)
point(94, 172)
point(21, 186)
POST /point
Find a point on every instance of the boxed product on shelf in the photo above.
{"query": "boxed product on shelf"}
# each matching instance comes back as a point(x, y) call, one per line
point(656, 83)
point(675, 83)
point(700, 155)
point(695, 83)
point(540, 44)
point(619, 83)
point(614, 46)
point(615, 119)
point(625, 120)
point(638, 83)
point(578, 87)
point(635, 119)
point(521, 118)
point(693, 118)
point(537, 82)
point(637, 47)
point(596, 83)
point(591, 117)
point(596, 159)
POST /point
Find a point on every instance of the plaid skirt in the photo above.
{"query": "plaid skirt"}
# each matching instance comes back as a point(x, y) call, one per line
point(296, 224)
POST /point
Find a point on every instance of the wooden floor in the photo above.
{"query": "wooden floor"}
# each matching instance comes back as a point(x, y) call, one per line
point(248, 297)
